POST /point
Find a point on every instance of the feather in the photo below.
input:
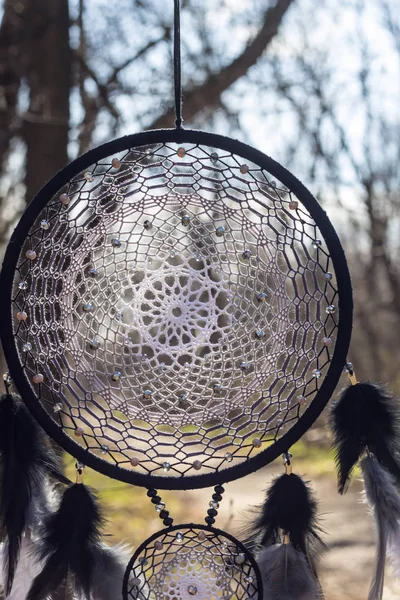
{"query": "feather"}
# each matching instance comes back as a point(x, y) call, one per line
point(25, 461)
point(26, 571)
point(109, 572)
point(70, 544)
point(383, 498)
point(365, 416)
point(394, 551)
point(286, 574)
point(290, 507)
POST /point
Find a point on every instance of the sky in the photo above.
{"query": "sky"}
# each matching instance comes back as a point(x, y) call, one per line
point(324, 33)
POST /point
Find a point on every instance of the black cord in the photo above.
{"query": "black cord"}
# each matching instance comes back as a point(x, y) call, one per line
point(177, 64)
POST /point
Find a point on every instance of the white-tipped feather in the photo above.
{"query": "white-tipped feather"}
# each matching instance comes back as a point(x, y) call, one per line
point(383, 498)
point(110, 571)
point(394, 551)
point(44, 498)
point(27, 570)
point(286, 574)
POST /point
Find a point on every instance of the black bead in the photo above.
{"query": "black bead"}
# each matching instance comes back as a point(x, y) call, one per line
point(152, 492)
point(210, 520)
point(212, 512)
point(217, 497)
point(219, 489)
point(156, 500)
point(168, 521)
point(164, 514)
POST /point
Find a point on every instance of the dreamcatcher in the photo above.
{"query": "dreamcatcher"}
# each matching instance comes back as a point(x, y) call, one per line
point(176, 313)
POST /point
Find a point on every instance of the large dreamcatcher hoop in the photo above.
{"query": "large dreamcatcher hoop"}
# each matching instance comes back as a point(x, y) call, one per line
point(176, 309)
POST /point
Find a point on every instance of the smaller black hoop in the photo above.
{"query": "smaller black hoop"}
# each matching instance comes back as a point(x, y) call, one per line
point(222, 547)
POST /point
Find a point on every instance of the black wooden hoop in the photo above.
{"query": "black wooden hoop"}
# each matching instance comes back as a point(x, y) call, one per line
point(345, 307)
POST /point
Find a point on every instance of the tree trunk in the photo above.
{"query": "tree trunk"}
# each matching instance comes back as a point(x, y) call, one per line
point(11, 70)
point(45, 124)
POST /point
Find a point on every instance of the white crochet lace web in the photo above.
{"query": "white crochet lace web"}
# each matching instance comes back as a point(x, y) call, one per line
point(191, 564)
point(180, 309)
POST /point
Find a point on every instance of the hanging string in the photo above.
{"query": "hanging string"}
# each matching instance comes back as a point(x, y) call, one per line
point(177, 64)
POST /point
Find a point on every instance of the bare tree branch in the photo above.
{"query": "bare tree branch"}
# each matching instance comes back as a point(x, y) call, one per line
point(209, 93)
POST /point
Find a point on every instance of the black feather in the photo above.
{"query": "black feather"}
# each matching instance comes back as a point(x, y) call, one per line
point(25, 460)
point(70, 544)
point(286, 574)
point(289, 507)
point(365, 416)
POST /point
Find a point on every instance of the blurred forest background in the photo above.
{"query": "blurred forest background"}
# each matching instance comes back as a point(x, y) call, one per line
point(313, 83)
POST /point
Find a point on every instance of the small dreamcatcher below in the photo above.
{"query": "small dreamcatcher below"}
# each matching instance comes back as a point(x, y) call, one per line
point(192, 562)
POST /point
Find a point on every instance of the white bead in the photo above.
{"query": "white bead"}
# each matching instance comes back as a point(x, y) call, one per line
point(65, 199)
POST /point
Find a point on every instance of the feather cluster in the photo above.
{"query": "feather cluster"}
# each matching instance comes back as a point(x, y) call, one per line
point(289, 507)
point(383, 498)
point(70, 546)
point(43, 546)
point(26, 464)
point(288, 570)
point(365, 416)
